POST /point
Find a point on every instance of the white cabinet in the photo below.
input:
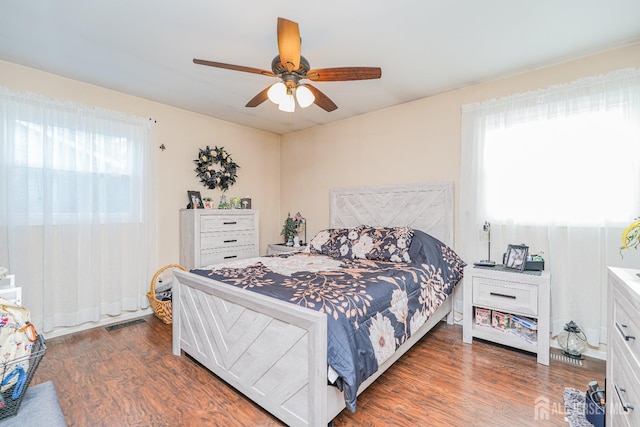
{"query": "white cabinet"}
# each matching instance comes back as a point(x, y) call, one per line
point(507, 294)
point(623, 348)
point(210, 236)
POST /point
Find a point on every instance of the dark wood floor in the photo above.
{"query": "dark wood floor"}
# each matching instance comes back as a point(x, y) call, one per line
point(128, 377)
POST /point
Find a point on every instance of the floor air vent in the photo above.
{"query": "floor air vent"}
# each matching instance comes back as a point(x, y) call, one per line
point(566, 359)
point(125, 324)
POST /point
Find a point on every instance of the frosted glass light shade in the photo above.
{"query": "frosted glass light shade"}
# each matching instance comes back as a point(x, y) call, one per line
point(304, 96)
point(288, 104)
point(277, 93)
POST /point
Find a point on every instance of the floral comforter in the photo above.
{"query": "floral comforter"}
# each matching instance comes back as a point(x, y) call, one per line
point(372, 306)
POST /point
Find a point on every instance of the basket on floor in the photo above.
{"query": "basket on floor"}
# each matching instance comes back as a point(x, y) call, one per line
point(162, 308)
point(11, 398)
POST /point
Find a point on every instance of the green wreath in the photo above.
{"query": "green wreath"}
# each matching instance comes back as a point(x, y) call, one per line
point(212, 177)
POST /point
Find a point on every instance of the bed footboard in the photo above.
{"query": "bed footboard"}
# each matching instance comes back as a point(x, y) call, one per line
point(273, 352)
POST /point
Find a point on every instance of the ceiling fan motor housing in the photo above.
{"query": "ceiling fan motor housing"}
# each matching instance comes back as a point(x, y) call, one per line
point(278, 68)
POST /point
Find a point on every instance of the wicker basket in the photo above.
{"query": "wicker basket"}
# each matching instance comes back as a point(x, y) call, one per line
point(12, 398)
point(162, 309)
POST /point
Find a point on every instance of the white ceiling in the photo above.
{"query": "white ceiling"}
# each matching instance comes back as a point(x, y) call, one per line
point(424, 47)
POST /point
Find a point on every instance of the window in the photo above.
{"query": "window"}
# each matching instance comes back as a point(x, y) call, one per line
point(578, 169)
point(559, 170)
point(59, 163)
point(77, 208)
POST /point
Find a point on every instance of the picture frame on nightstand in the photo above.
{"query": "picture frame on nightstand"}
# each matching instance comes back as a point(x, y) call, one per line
point(516, 257)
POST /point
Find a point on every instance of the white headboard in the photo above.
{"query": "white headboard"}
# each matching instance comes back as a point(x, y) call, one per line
point(426, 207)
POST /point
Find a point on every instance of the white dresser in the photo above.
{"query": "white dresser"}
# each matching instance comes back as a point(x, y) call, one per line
point(509, 293)
point(623, 348)
point(210, 236)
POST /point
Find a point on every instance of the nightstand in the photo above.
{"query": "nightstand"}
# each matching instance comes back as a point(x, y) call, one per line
point(277, 248)
point(506, 296)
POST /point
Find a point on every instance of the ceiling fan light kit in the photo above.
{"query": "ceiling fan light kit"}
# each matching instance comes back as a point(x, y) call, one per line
point(288, 104)
point(277, 93)
point(291, 67)
point(282, 95)
point(304, 96)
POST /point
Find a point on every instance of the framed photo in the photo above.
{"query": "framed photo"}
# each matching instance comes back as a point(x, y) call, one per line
point(195, 200)
point(516, 257)
point(245, 203)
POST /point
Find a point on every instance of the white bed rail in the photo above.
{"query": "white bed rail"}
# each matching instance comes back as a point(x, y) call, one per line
point(273, 352)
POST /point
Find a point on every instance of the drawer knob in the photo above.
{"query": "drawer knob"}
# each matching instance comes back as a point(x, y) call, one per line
point(231, 256)
point(625, 405)
point(622, 328)
point(231, 241)
point(497, 294)
point(230, 222)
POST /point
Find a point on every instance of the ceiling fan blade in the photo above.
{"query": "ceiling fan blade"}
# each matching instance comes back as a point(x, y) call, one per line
point(233, 67)
point(259, 98)
point(322, 100)
point(289, 44)
point(343, 74)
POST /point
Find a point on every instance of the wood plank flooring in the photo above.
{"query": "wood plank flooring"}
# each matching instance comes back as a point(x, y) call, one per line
point(128, 377)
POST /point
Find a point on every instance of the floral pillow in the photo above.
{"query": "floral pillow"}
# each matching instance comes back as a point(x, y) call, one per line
point(363, 242)
point(383, 243)
point(334, 242)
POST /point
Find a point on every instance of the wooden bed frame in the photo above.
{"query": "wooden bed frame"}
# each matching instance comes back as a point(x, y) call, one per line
point(275, 353)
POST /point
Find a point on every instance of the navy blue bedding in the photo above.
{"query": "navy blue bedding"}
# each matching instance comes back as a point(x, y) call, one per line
point(372, 306)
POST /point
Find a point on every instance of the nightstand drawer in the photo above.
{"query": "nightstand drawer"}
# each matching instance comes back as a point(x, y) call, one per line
point(513, 297)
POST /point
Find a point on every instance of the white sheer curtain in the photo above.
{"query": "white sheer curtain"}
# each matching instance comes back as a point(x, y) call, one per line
point(77, 208)
point(559, 170)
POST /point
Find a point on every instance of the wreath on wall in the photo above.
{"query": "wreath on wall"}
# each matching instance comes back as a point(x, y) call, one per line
point(215, 168)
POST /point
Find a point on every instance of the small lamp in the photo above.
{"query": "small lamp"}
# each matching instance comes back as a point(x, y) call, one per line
point(572, 341)
point(486, 235)
point(300, 221)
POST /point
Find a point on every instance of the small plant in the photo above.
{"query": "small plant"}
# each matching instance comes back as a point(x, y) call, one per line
point(289, 229)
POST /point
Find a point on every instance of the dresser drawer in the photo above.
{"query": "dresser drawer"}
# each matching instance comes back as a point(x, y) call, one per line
point(513, 297)
point(623, 387)
point(626, 326)
point(226, 223)
point(226, 239)
point(221, 255)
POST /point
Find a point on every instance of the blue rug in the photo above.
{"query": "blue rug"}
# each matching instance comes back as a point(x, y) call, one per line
point(39, 408)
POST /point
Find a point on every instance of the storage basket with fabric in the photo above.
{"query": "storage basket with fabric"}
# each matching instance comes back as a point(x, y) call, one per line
point(162, 308)
point(14, 370)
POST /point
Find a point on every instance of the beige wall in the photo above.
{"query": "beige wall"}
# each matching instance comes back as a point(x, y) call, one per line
point(409, 143)
point(183, 133)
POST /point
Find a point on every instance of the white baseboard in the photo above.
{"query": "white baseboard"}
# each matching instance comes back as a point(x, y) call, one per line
point(105, 321)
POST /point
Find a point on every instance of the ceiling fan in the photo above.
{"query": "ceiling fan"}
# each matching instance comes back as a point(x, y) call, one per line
point(291, 67)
